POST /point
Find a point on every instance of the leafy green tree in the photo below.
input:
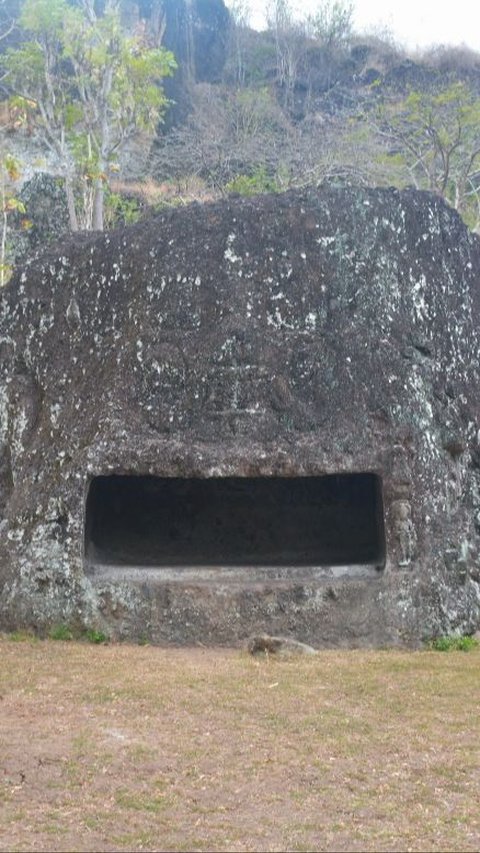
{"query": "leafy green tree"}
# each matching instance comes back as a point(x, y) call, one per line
point(9, 204)
point(94, 89)
point(435, 137)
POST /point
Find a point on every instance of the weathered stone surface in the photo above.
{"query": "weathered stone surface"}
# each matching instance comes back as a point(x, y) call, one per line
point(197, 32)
point(322, 332)
point(46, 207)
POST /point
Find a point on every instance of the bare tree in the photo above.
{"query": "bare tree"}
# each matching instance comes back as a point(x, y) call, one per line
point(227, 134)
point(331, 23)
point(7, 20)
point(240, 14)
point(289, 45)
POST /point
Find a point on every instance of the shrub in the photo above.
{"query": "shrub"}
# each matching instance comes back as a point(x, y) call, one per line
point(22, 636)
point(259, 182)
point(60, 632)
point(454, 644)
point(94, 636)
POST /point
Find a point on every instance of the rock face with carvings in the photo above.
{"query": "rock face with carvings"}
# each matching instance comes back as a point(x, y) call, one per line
point(260, 415)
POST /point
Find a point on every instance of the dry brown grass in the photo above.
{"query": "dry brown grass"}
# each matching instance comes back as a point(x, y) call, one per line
point(138, 748)
point(154, 194)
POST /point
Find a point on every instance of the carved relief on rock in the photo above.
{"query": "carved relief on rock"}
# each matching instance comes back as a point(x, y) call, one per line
point(162, 378)
point(404, 530)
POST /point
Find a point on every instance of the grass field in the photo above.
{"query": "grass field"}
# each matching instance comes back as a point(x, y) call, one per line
point(116, 747)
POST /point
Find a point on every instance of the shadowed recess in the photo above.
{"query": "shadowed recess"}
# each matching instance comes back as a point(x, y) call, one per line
point(235, 521)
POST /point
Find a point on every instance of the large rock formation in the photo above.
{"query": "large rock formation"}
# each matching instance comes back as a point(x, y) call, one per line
point(257, 415)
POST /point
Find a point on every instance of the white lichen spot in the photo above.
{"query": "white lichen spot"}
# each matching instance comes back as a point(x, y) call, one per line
point(3, 414)
point(418, 292)
point(325, 241)
point(277, 321)
point(16, 535)
point(229, 254)
point(55, 410)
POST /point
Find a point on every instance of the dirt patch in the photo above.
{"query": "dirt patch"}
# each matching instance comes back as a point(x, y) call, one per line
point(139, 748)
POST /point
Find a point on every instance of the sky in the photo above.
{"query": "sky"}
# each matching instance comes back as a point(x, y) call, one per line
point(413, 23)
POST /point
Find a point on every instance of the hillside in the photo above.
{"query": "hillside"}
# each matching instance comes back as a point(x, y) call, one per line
point(250, 112)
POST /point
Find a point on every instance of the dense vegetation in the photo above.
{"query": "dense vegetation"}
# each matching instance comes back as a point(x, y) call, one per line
point(89, 99)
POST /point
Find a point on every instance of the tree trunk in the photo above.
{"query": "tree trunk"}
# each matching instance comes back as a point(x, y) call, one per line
point(72, 213)
point(3, 254)
point(98, 199)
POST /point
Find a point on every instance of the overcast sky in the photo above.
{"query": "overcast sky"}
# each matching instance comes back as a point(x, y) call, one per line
point(412, 22)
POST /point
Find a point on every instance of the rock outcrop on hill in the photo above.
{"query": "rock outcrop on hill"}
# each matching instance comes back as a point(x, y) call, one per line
point(255, 415)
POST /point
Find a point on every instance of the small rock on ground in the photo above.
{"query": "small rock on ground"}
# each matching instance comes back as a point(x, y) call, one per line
point(265, 644)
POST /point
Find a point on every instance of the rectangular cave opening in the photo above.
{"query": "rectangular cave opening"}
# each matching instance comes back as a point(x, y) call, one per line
point(139, 521)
